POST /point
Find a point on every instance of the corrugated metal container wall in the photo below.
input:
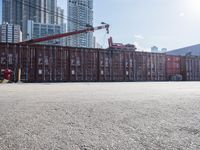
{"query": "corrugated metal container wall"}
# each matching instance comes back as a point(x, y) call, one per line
point(161, 67)
point(155, 67)
point(130, 69)
point(150, 67)
point(60, 63)
point(9, 59)
point(191, 68)
point(40, 63)
point(183, 68)
point(43, 64)
point(90, 65)
point(76, 65)
point(105, 65)
point(83, 64)
point(27, 63)
point(65, 64)
point(117, 65)
point(141, 66)
point(173, 66)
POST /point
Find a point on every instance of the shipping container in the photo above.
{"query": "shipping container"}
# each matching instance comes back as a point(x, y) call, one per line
point(60, 64)
point(43, 63)
point(8, 59)
point(90, 65)
point(161, 67)
point(105, 65)
point(156, 67)
point(117, 65)
point(76, 65)
point(26, 67)
point(130, 66)
point(83, 64)
point(173, 67)
point(190, 67)
point(141, 66)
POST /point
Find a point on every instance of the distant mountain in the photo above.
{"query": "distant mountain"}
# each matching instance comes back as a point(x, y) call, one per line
point(190, 50)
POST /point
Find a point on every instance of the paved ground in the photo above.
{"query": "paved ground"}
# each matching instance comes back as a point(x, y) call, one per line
point(100, 116)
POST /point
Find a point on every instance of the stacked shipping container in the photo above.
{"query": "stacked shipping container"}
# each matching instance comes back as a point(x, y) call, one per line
point(118, 64)
point(9, 59)
point(173, 66)
point(190, 68)
point(42, 63)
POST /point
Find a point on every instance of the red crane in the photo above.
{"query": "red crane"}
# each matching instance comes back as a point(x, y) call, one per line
point(57, 36)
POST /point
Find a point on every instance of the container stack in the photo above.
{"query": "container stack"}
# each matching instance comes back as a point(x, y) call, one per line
point(42, 63)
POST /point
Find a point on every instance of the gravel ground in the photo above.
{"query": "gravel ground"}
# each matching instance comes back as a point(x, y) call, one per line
point(100, 116)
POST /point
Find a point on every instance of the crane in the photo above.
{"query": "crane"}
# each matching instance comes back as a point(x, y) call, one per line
point(57, 36)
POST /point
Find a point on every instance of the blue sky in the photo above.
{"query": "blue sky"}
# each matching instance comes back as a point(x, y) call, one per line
point(164, 23)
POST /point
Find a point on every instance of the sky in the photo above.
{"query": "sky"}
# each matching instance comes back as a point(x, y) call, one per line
point(167, 24)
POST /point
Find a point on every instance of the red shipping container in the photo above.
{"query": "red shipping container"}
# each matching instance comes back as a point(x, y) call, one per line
point(173, 66)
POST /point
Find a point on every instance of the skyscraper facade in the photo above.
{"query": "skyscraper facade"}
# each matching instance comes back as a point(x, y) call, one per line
point(20, 11)
point(10, 33)
point(80, 14)
point(37, 30)
point(59, 16)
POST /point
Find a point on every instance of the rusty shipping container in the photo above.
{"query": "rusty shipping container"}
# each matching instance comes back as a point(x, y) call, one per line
point(117, 65)
point(91, 65)
point(27, 63)
point(105, 65)
point(130, 66)
point(150, 66)
point(83, 64)
point(173, 66)
point(190, 68)
point(156, 67)
point(141, 66)
point(9, 59)
point(43, 63)
point(76, 58)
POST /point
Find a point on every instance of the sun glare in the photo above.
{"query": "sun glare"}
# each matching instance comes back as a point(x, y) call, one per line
point(193, 7)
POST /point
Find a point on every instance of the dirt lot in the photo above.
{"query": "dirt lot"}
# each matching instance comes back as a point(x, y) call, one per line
point(100, 116)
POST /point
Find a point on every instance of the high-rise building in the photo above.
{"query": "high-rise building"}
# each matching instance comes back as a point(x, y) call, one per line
point(37, 30)
point(43, 11)
point(20, 11)
point(59, 16)
point(96, 44)
point(51, 7)
point(154, 49)
point(163, 50)
point(10, 33)
point(80, 14)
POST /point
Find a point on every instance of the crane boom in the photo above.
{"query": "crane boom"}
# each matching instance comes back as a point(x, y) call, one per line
point(57, 36)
